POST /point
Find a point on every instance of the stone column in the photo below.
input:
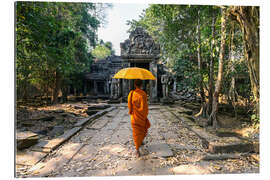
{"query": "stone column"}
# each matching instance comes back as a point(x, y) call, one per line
point(153, 83)
point(95, 87)
point(109, 86)
point(125, 86)
point(119, 86)
point(105, 87)
point(112, 88)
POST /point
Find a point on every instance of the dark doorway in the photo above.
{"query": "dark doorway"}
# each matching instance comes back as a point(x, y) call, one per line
point(146, 84)
point(140, 65)
point(100, 87)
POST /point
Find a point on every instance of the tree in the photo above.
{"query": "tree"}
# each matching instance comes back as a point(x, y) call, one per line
point(213, 116)
point(53, 41)
point(103, 50)
point(196, 52)
point(248, 19)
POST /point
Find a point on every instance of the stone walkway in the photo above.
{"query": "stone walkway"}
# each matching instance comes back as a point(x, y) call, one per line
point(105, 148)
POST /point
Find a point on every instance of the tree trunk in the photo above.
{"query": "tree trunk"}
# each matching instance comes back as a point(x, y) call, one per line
point(64, 90)
point(203, 105)
point(248, 18)
point(213, 116)
point(232, 91)
point(56, 87)
point(211, 66)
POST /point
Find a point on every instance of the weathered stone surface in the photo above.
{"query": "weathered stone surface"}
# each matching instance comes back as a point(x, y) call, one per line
point(52, 144)
point(113, 149)
point(160, 150)
point(40, 147)
point(139, 42)
point(163, 171)
point(83, 121)
point(121, 136)
point(29, 158)
point(230, 147)
point(88, 152)
point(190, 169)
point(24, 135)
point(209, 157)
point(56, 131)
point(183, 147)
point(91, 112)
point(98, 107)
point(93, 117)
point(67, 153)
point(43, 118)
point(99, 123)
point(26, 139)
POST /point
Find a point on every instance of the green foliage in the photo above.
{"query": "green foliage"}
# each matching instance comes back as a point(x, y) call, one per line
point(53, 37)
point(101, 51)
point(174, 27)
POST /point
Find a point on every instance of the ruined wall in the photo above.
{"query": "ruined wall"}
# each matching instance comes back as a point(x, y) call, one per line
point(139, 43)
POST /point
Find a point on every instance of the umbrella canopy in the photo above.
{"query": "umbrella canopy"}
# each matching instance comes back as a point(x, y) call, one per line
point(134, 73)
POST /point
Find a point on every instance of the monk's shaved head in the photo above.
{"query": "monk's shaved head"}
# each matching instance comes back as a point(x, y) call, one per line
point(138, 83)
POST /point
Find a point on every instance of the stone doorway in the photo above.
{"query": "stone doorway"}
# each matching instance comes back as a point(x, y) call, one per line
point(140, 50)
point(146, 84)
point(100, 87)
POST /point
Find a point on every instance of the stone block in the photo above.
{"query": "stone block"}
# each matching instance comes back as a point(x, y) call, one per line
point(43, 118)
point(56, 131)
point(160, 150)
point(29, 158)
point(54, 143)
point(66, 155)
point(82, 122)
point(26, 139)
point(190, 169)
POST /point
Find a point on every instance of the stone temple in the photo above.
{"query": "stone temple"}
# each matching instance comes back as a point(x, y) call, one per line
point(139, 50)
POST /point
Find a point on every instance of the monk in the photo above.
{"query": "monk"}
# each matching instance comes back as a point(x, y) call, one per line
point(138, 110)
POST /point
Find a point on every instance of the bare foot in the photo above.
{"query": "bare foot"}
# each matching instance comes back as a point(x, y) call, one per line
point(138, 153)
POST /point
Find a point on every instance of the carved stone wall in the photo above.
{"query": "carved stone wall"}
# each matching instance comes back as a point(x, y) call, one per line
point(140, 50)
point(139, 43)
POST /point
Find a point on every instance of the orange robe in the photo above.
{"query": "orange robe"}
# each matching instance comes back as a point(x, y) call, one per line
point(138, 110)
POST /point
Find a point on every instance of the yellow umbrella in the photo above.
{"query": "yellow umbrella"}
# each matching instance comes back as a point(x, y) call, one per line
point(134, 73)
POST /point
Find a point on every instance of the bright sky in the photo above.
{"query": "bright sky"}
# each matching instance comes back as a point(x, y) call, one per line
point(116, 29)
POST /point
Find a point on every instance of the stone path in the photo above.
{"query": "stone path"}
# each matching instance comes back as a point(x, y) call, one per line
point(105, 147)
